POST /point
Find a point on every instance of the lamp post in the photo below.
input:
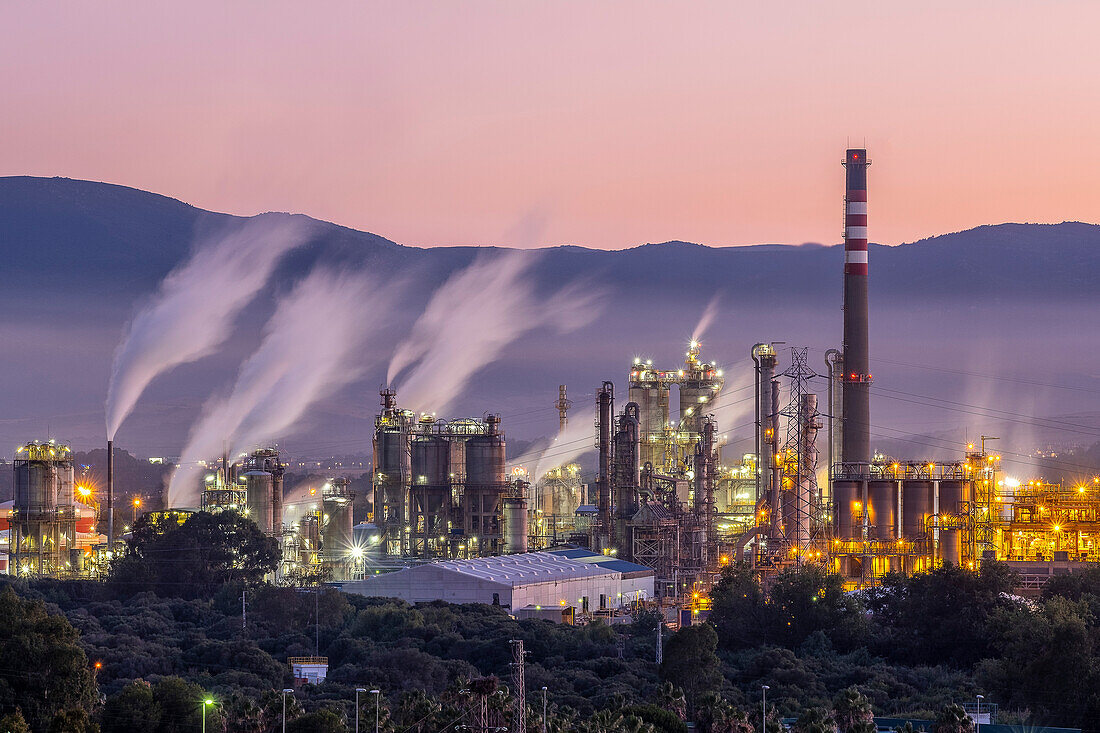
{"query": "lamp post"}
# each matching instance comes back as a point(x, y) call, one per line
point(764, 709)
point(284, 707)
point(544, 710)
point(357, 691)
point(377, 703)
point(205, 703)
point(978, 715)
point(137, 505)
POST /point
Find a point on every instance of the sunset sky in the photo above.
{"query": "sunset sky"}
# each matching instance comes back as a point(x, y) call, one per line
point(605, 124)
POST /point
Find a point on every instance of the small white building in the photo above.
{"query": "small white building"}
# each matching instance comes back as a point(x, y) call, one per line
point(309, 670)
point(536, 580)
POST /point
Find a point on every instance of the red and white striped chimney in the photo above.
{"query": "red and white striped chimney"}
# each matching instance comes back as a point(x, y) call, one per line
point(856, 398)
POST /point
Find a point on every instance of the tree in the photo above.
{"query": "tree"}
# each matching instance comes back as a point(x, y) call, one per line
point(808, 599)
point(815, 720)
point(44, 669)
point(74, 720)
point(181, 704)
point(942, 614)
point(194, 559)
point(609, 721)
point(738, 609)
point(690, 662)
point(953, 719)
point(714, 714)
point(852, 711)
point(661, 719)
point(14, 723)
point(671, 698)
point(319, 721)
point(131, 708)
point(772, 723)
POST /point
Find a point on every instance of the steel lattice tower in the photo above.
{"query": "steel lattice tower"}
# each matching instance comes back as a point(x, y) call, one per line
point(519, 714)
point(801, 496)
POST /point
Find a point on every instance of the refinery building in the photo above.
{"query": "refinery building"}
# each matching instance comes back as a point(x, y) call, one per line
point(665, 511)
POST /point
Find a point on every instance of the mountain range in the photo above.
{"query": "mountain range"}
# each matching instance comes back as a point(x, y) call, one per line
point(986, 329)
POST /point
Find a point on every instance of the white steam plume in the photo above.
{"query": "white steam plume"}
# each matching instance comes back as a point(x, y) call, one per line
point(193, 312)
point(709, 314)
point(312, 346)
point(469, 321)
point(579, 438)
point(736, 402)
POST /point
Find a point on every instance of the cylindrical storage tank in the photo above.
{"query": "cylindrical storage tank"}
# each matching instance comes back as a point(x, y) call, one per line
point(953, 492)
point(695, 396)
point(66, 485)
point(485, 460)
point(882, 509)
point(431, 460)
point(259, 492)
point(917, 505)
point(310, 532)
point(392, 458)
point(277, 502)
point(337, 540)
point(653, 404)
point(950, 546)
point(515, 525)
point(846, 494)
point(35, 486)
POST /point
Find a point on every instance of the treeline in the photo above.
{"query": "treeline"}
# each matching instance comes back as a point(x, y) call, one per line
point(167, 631)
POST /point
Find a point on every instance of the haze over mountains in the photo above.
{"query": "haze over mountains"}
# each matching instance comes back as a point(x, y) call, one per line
point(999, 318)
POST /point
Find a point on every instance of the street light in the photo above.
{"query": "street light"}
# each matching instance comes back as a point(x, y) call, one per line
point(764, 705)
point(544, 710)
point(284, 707)
point(978, 715)
point(205, 703)
point(357, 691)
point(377, 702)
point(137, 505)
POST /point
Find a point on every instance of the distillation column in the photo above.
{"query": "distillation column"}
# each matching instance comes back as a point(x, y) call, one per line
point(605, 406)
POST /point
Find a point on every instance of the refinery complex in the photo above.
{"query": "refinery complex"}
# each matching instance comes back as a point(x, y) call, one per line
point(665, 503)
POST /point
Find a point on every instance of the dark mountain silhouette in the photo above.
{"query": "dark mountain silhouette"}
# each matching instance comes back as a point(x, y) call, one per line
point(952, 316)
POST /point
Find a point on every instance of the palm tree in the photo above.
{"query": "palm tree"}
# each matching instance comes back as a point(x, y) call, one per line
point(815, 720)
point(953, 719)
point(852, 711)
point(671, 698)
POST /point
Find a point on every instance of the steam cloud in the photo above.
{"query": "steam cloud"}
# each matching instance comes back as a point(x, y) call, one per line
point(579, 438)
point(312, 346)
point(193, 312)
point(709, 314)
point(469, 321)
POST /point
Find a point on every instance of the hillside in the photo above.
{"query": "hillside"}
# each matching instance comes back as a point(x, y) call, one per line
point(1011, 300)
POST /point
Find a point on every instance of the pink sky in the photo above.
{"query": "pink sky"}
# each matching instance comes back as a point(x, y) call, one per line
point(606, 124)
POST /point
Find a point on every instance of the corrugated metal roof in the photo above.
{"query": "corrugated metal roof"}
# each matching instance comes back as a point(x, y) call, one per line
point(529, 567)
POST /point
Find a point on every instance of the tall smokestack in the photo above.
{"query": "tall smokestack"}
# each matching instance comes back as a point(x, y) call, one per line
point(856, 428)
point(110, 495)
point(563, 404)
